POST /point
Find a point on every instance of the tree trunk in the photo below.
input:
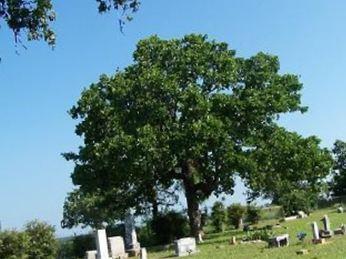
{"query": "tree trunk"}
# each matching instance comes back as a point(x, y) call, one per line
point(192, 202)
point(194, 214)
point(155, 209)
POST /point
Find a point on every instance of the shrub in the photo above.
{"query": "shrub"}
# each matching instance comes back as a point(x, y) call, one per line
point(169, 226)
point(218, 216)
point(258, 235)
point(83, 243)
point(146, 236)
point(13, 245)
point(253, 214)
point(272, 212)
point(43, 244)
point(66, 249)
point(235, 213)
point(37, 241)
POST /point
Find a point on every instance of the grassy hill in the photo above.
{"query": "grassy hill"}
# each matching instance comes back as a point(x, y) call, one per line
point(217, 245)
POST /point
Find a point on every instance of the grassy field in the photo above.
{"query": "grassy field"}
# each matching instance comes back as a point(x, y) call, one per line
point(217, 246)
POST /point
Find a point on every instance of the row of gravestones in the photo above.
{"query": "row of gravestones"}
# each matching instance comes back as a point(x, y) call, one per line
point(320, 235)
point(115, 247)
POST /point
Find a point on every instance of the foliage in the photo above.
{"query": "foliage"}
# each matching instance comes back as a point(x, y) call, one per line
point(286, 166)
point(65, 250)
point(235, 214)
point(218, 216)
point(43, 244)
point(169, 226)
point(37, 241)
point(296, 200)
point(82, 243)
point(187, 112)
point(272, 212)
point(34, 17)
point(253, 214)
point(262, 234)
point(338, 183)
point(14, 245)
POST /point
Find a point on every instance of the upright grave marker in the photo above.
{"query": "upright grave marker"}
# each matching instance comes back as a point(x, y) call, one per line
point(101, 244)
point(326, 232)
point(185, 246)
point(132, 246)
point(91, 254)
point(117, 247)
point(315, 233)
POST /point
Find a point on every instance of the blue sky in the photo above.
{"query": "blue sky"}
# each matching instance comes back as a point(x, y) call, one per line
point(40, 85)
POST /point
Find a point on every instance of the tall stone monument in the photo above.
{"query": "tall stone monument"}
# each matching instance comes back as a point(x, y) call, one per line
point(101, 244)
point(132, 246)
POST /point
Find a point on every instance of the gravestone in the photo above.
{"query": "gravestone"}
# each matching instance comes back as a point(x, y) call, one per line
point(233, 240)
point(132, 246)
point(143, 254)
point(326, 232)
point(315, 233)
point(185, 246)
point(279, 241)
point(290, 218)
point(117, 247)
point(301, 214)
point(91, 254)
point(101, 244)
point(341, 230)
point(200, 238)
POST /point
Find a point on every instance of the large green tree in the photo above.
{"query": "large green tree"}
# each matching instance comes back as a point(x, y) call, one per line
point(34, 17)
point(187, 111)
point(338, 183)
point(288, 166)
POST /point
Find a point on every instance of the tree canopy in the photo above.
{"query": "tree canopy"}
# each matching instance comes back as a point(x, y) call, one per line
point(187, 111)
point(34, 17)
point(285, 163)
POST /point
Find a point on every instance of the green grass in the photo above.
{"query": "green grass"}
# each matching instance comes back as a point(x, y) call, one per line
point(216, 245)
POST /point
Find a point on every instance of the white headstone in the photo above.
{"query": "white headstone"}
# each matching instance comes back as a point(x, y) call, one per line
point(315, 232)
point(143, 254)
point(117, 247)
point(91, 254)
point(301, 214)
point(101, 244)
point(185, 246)
point(200, 238)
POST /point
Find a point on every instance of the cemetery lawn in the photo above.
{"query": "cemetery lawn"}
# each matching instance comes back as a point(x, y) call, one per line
point(217, 245)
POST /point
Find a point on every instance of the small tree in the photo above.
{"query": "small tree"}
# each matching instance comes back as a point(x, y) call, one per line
point(296, 200)
point(253, 213)
point(235, 213)
point(42, 242)
point(218, 216)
